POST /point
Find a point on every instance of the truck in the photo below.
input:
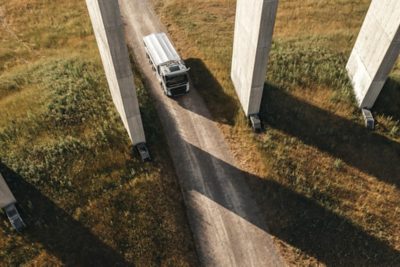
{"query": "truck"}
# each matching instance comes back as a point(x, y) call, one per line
point(168, 65)
point(7, 202)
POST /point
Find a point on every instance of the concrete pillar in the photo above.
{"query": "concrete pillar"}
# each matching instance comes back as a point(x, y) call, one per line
point(375, 51)
point(108, 28)
point(6, 197)
point(254, 26)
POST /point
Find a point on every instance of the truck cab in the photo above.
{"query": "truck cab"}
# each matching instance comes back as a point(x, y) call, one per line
point(175, 80)
point(169, 67)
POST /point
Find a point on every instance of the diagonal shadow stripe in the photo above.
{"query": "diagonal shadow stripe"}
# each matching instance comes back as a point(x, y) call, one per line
point(297, 220)
point(367, 151)
point(58, 232)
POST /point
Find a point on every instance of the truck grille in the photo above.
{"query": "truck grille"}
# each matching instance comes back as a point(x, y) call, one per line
point(178, 90)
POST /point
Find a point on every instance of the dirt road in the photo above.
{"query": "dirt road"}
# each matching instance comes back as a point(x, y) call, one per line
point(222, 214)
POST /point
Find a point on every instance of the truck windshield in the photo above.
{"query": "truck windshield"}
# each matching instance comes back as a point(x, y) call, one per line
point(176, 80)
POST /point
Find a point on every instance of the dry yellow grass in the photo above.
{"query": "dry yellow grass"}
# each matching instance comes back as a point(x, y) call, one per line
point(329, 189)
point(85, 199)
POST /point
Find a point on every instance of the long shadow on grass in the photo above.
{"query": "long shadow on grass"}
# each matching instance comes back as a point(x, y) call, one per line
point(56, 230)
point(222, 106)
point(293, 218)
point(367, 151)
point(388, 102)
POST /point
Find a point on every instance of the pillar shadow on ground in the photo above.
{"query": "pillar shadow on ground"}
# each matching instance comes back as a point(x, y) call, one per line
point(222, 106)
point(299, 221)
point(56, 230)
point(388, 102)
point(293, 218)
point(365, 150)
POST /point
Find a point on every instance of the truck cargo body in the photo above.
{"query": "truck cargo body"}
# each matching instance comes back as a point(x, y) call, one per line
point(169, 67)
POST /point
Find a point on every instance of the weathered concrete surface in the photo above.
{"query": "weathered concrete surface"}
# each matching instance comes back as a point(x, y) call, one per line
point(254, 26)
point(375, 51)
point(227, 227)
point(108, 28)
point(6, 197)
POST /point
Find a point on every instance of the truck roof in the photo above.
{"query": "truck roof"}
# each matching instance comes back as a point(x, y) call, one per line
point(6, 197)
point(160, 48)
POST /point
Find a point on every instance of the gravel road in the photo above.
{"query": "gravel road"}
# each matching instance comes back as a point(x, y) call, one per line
point(222, 214)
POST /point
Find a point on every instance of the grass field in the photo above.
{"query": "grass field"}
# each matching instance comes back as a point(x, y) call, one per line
point(67, 157)
point(329, 189)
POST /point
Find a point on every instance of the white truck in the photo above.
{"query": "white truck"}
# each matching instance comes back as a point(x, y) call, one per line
point(169, 67)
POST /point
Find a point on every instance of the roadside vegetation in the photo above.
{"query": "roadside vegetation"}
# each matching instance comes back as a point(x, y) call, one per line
point(328, 188)
point(67, 156)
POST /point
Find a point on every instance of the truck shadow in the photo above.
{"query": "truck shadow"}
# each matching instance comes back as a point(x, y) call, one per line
point(223, 107)
point(56, 230)
point(367, 151)
point(388, 102)
point(297, 220)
